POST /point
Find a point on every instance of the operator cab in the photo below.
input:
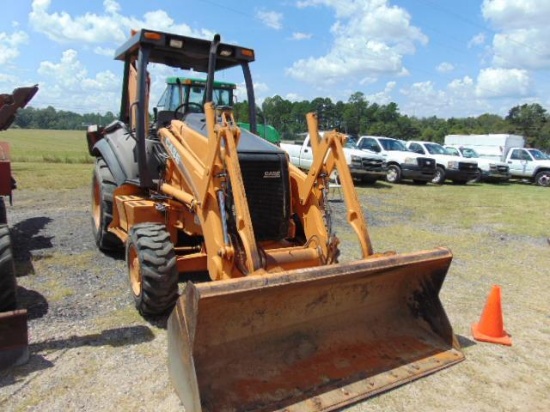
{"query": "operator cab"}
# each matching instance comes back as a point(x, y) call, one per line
point(187, 95)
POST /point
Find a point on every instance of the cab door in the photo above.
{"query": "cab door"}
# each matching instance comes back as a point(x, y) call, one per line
point(521, 163)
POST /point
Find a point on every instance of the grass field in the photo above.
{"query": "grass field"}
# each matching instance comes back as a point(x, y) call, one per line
point(49, 159)
point(59, 159)
point(50, 146)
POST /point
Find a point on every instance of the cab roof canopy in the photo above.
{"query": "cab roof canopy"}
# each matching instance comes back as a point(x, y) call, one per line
point(187, 53)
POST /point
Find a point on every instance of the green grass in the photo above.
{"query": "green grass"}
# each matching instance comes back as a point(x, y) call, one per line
point(48, 146)
point(51, 176)
point(49, 159)
point(515, 208)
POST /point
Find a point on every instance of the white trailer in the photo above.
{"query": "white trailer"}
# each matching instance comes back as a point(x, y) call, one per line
point(493, 146)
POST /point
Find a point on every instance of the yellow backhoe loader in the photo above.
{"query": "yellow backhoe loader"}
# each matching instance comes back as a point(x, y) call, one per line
point(279, 324)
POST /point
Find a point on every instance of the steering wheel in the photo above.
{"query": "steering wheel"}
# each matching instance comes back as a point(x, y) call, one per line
point(187, 106)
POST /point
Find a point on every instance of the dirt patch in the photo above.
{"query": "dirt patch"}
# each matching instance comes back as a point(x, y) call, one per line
point(90, 350)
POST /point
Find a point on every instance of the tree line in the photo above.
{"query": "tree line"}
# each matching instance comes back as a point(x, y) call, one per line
point(356, 117)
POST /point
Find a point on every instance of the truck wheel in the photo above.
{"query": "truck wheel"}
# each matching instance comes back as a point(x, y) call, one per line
point(394, 174)
point(152, 268)
point(368, 180)
point(103, 186)
point(8, 285)
point(477, 179)
point(543, 178)
point(3, 216)
point(439, 177)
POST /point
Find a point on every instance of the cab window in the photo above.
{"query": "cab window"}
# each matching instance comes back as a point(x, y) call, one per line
point(417, 148)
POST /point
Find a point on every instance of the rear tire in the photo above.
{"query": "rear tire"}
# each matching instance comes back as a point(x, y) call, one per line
point(439, 177)
point(394, 174)
point(103, 186)
point(152, 270)
point(543, 178)
point(8, 284)
point(3, 215)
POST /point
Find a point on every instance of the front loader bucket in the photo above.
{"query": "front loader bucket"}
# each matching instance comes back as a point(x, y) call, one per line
point(312, 339)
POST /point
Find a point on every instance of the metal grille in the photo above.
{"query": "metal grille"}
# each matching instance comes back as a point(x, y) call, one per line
point(372, 164)
point(267, 189)
point(426, 163)
point(466, 166)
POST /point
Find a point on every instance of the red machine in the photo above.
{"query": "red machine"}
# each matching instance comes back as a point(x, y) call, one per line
point(13, 322)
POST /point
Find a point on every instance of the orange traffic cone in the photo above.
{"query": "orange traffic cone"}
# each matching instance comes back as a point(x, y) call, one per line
point(490, 327)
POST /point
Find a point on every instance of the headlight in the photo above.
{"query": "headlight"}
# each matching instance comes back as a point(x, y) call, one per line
point(452, 165)
point(355, 159)
point(410, 160)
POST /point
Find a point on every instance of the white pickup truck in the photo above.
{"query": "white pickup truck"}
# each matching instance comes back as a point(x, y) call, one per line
point(402, 163)
point(489, 170)
point(367, 167)
point(529, 164)
point(448, 167)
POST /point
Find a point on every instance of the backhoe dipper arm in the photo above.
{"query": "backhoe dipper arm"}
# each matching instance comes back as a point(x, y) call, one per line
point(328, 155)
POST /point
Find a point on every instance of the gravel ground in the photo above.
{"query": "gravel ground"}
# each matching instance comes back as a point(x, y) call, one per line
point(91, 351)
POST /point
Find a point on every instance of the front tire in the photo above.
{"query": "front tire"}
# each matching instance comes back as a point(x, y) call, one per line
point(8, 284)
point(439, 177)
point(368, 180)
point(394, 174)
point(152, 268)
point(103, 187)
point(543, 178)
point(477, 179)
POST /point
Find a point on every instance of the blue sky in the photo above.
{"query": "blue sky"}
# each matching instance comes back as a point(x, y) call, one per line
point(432, 57)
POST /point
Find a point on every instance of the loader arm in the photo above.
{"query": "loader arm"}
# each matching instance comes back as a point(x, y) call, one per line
point(207, 181)
point(328, 155)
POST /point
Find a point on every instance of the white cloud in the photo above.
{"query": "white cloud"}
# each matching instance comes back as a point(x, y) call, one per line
point(271, 19)
point(462, 87)
point(69, 77)
point(104, 51)
point(62, 27)
point(384, 96)
point(8, 80)
point(458, 98)
point(294, 97)
point(516, 14)
point(523, 32)
point(477, 40)
point(9, 45)
point(370, 40)
point(525, 48)
point(424, 94)
point(301, 36)
point(109, 26)
point(111, 6)
point(496, 82)
point(445, 67)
